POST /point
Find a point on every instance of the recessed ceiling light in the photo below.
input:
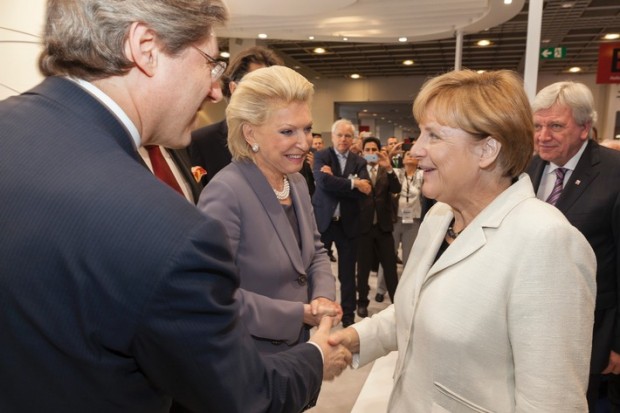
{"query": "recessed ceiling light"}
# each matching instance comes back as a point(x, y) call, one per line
point(345, 39)
point(355, 76)
point(574, 69)
point(611, 36)
point(262, 36)
point(310, 37)
point(568, 4)
point(296, 67)
point(319, 50)
point(408, 62)
point(483, 43)
point(545, 41)
point(402, 39)
point(365, 110)
point(507, 1)
point(225, 55)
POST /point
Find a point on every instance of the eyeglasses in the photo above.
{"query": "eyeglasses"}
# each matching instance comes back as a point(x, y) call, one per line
point(217, 66)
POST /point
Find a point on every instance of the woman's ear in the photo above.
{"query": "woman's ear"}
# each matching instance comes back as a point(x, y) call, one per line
point(248, 133)
point(490, 151)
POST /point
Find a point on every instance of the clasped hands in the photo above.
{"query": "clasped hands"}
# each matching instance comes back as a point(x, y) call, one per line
point(338, 347)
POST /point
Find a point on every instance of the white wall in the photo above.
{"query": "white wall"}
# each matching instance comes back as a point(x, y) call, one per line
point(21, 24)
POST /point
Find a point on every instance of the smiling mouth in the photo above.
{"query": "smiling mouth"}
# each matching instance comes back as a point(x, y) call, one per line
point(294, 157)
point(424, 169)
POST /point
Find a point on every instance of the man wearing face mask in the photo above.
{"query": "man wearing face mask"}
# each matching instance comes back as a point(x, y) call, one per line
point(376, 223)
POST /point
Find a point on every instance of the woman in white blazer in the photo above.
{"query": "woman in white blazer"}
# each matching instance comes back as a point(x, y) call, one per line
point(286, 282)
point(494, 311)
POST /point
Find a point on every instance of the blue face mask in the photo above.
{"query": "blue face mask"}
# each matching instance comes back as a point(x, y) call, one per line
point(371, 157)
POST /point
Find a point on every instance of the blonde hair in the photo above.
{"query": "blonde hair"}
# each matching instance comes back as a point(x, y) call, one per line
point(259, 93)
point(483, 104)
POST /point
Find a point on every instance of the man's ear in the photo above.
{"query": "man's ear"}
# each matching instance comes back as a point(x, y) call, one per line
point(232, 85)
point(586, 132)
point(490, 151)
point(141, 48)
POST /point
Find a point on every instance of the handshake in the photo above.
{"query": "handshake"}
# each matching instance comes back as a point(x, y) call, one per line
point(337, 347)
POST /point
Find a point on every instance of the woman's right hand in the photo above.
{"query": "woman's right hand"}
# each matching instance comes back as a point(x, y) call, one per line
point(321, 307)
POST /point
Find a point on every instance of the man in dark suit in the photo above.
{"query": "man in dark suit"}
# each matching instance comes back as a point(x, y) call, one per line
point(377, 223)
point(581, 179)
point(116, 294)
point(209, 147)
point(342, 181)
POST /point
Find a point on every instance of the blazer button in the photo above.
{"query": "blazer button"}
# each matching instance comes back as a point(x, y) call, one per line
point(302, 280)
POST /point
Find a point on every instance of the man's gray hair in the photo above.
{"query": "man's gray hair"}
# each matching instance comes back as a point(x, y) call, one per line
point(85, 38)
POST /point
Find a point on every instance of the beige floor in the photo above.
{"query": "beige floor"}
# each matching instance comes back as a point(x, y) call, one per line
point(340, 395)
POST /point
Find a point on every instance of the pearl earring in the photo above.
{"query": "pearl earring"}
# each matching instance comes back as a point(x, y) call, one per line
point(255, 147)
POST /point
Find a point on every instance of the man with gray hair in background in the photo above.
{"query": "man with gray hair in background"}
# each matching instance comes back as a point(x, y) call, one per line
point(116, 294)
point(580, 177)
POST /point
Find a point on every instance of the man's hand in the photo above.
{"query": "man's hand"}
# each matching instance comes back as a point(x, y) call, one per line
point(385, 161)
point(327, 170)
point(362, 185)
point(614, 364)
point(310, 159)
point(335, 358)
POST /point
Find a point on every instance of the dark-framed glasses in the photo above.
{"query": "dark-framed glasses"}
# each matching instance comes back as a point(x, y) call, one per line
point(217, 66)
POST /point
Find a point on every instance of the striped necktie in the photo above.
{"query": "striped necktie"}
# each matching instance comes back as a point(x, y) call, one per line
point(557, 187)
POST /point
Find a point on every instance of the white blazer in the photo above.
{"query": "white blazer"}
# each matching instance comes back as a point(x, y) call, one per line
point(501, 322)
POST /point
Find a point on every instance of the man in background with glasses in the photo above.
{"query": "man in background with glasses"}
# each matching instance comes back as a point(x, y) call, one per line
point(116, 294)
point(209, 147)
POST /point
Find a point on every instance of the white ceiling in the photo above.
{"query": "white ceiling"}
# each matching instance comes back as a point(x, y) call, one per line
point(364, 20)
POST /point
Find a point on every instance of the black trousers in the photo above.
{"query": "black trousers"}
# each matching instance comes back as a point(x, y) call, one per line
point(379, 244)
point(347, 255)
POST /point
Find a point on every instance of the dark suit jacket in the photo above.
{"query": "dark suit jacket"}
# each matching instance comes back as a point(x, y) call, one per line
point(333, 189)
point(116, 294)
point(183, 162)
point(591, 202)
point(380, 200)
point(209, 149)
point(277, 276)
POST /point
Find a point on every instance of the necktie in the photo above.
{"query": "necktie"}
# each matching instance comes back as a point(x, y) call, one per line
point(373, 175)
point(161, 168)
point(557, 187)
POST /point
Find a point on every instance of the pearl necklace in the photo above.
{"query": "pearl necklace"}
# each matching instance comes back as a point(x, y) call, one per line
point(285, 192)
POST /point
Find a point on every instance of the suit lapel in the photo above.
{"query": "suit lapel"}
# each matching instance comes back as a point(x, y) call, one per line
point(585, 172)
point(535, 171)
point(181, 158)
point(304, 217)
point(275, 212)
point(473, 237)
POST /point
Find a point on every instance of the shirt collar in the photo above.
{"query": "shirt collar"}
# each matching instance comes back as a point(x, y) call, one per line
point(113, 107)
point(572, 162)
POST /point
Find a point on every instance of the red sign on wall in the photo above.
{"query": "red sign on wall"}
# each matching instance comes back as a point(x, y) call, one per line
point(608, 63)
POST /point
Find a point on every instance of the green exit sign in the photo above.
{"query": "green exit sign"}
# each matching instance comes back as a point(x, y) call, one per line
point(553, 53)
